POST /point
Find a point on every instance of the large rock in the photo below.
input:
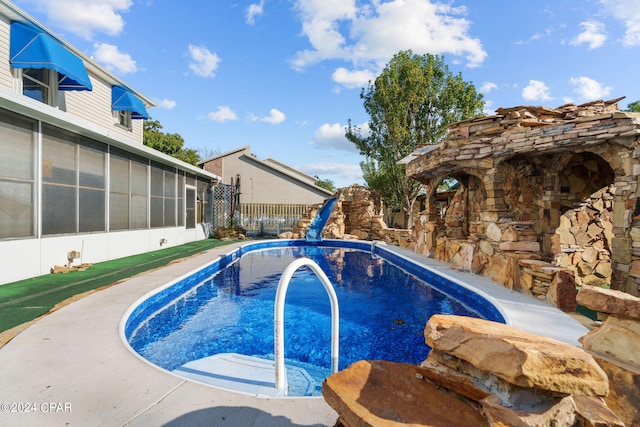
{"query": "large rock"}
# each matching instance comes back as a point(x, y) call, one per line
point(609, 301)
point(516, 356)
point(624, 398)
point(381, 393)
point(562, 291)
point(617, 338)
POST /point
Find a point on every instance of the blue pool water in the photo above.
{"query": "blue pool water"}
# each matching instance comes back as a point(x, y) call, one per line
point(385, 302)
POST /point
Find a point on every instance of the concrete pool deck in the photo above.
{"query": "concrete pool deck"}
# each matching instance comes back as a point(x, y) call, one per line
point(71, 367)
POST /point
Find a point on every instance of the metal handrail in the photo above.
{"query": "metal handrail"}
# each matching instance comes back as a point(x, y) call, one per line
point(278, 316)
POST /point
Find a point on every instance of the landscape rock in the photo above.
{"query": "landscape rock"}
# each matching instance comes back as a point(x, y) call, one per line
point(380, 393)
point(617, 303)
point(615, 345)
point(516, 356)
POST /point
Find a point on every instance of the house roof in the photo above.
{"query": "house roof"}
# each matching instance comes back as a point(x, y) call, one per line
point(14, 13)
point(274, 165)
point(15, 102)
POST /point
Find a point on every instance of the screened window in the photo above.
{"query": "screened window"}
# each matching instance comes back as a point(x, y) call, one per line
point(157, 196)
point(59, 182)
point(120, 181)
point(91, 186)
point(180, 194)
point(169, 198)
point(128, 192)
point(164, 197)
point(73, 183)
point(17, 181)
point(139, 193)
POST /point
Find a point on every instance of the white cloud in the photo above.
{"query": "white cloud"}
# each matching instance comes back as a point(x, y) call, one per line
point(222, 114)
point(627, 11)
point(545, 34)
point(254, 10)
point(373, 33)
point(203, 62)
point(166, 104)
point(275, 117)
point(85, 17)
point(593, 35)
point(488, 87)
point(109, 56)
point(331, 137)
point(589, 89)
point(536, 91)
point(342, 174)
point(352, 79)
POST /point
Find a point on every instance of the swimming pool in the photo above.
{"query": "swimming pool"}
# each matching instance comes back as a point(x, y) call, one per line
point(227, 307)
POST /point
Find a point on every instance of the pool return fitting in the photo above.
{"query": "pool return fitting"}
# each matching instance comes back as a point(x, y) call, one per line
point(278, 317)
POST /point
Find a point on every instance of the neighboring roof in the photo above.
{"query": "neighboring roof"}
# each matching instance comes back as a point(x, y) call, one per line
point(246, 148)
point(14, 13)
point(274, 165)
point(279, 165)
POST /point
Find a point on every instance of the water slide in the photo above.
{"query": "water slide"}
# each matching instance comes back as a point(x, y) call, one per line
point(314, 233)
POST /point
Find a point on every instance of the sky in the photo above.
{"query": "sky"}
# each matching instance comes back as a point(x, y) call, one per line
point(285, 76)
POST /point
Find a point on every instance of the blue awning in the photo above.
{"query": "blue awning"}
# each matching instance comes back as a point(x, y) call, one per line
point(123, 100)
point(31, 48)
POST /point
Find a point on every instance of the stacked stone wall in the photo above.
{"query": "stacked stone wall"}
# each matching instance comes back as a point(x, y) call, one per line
point(558, 194)
point(357, 214)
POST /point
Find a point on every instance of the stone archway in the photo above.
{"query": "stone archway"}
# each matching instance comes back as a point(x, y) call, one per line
point(584, 235)
point(536, 163)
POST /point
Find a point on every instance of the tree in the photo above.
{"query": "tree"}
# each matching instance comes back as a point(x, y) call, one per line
point(327, 184)
point(383, 181)
point(634, 106)
point(410, 103)
point(171, 144)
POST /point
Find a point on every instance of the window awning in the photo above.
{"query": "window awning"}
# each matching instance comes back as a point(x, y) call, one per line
point(123, 100)
point(31, 48)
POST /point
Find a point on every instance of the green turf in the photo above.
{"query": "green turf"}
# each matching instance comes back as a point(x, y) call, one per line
point(25, 300)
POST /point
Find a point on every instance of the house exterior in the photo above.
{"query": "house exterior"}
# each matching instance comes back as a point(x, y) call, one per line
point(76, 180)
point(265, 181)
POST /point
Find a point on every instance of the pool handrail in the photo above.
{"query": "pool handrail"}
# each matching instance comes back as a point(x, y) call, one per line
point(278, 316)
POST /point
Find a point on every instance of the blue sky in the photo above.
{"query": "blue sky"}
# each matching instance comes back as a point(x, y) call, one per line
point(284, 76)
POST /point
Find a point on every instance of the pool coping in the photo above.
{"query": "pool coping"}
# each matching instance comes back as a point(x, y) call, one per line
point(71, 366)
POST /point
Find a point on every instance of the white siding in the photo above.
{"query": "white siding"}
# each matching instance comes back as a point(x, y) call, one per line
point(6, 79)
point(95, 106)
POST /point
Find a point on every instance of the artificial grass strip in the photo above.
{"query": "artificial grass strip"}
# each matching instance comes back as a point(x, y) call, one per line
point(25, 300)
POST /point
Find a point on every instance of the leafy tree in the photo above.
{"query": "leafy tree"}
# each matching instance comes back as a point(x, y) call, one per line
point(327, 184)
point(634, 106)
point(448, 184)
point(410, 103)
point(168, 143)
point(383, 181)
